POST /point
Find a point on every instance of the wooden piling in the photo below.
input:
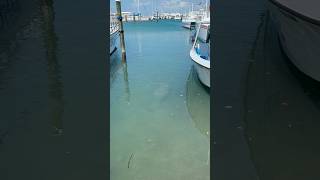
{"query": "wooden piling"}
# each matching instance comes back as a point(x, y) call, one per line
point(119, 17)
point(157, 16)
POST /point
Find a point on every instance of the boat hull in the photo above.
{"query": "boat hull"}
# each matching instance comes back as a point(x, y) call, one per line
point(300, 40)
point(113, 38)
point(202, 67)
point(203, 74)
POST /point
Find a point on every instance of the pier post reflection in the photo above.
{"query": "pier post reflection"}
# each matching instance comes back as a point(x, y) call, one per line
point(125, 77)
point(56, 102)
point(115, 64)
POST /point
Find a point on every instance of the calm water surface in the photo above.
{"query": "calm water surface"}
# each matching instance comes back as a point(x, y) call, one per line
point(283, 112)
point(275, 116)
point(159, 110)
point(53, 92)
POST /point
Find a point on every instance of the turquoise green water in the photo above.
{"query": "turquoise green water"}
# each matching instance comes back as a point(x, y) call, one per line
point(159, 110)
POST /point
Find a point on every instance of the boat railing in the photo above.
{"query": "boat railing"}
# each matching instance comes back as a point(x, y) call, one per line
point(114, 24)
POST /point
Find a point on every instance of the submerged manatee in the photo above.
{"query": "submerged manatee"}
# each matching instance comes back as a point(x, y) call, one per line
point(161, 91)
point(158, 94)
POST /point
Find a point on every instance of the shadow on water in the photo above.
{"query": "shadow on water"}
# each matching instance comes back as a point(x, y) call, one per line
point(198, 103)
point(282, 111)
point(54, 78)
point(115, 65)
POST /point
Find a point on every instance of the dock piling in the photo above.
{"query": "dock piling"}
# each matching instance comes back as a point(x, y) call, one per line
point(119, 17)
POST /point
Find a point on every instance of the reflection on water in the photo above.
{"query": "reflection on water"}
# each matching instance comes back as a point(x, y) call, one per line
point(198, 103)
point(27, 41)
point(8, 12)
point(115, 65)
point(53, 92)
point(55, 84)
point(153, 135)
point(283, 112)
point(125, 77)
point(31, 92)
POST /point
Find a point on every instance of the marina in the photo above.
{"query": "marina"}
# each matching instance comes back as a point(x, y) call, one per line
point(166, 121)
point(193, 17)
point(248, 109)
point(160, 101)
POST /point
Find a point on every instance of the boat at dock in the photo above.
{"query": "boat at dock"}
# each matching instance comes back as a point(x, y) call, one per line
point(114, 34)
point(200, 52)
point(189, 21)
point(298, 24)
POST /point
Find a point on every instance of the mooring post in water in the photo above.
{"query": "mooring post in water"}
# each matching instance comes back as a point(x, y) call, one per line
point(119, 17)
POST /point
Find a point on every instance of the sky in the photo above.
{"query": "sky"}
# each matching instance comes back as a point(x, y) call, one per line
point(147, 7)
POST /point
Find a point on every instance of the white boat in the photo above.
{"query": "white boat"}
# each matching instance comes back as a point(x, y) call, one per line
point(189, 22)
point(114, 33)
point(177, 16)
point(200, 53)
point(298, 23)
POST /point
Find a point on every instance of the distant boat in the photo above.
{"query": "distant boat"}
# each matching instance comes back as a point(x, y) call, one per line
point(177, 17)
point(200, 52)
point(298, 23)
point(190, 20)
point(114, 33)
point(194, 17)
